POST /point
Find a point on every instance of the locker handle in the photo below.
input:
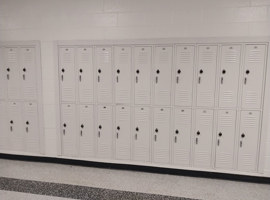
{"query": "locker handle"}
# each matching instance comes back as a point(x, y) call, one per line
point(199, 80)
point(23, 76)
point(241, 143)
point(64, 131)
point(80, 78)
point(221, 81)
point(156, 79)
point(218, 142)
point(98, 78)
point(197, 141)
point(175, 139)
point(137, 79)
point(99, 134)
point(62, 77)
point(136, 136)
point(155, 138)
point(245, 81)
point(26, 129)
point(11, 128)
point(117, 79)
point(81, 132)
point(117, 135)
point(7, 76)
point(177, 79)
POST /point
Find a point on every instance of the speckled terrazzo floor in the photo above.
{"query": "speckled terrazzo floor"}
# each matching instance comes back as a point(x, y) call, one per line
point(130, 181)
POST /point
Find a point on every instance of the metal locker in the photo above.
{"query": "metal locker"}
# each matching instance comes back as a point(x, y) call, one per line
point(229, 75)
point(141, 144)
point(162, 77)
point(184, 66)
point(28, 73)
point(67, 74)
point(85, 73)
point(13, 73)
point(3, 79)
point(253, 76)
point(142, 67)
point(206, 75)
point(104, 132)
point(161, 135)
point(69, 130)
point(203, 138)
point(30, 127)
point(86, 131)
point(122, 59)
point(225, 139)
point(122, 130)
point(16, 134)
point(103, 62)
point(3, 126)
point(181, 136)
point(248, 141)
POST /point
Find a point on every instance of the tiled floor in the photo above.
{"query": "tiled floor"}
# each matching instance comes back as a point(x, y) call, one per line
point(170, 185)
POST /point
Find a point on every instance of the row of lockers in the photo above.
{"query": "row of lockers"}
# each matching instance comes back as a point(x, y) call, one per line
point(164, 74)
point(18, 73)
point(19, 127)
point(179, 136)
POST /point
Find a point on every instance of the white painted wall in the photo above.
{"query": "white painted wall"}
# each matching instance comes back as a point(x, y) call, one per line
point(49, 20)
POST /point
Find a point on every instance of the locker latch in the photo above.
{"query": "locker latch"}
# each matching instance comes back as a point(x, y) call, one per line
point(24, 70)
point(11, 127)
point(80, 76)
point(99, 71)
point(117, 77)
point(27, 129)
point(177, 77)
point(62, 76)
point(157, 75)
point(8, 69)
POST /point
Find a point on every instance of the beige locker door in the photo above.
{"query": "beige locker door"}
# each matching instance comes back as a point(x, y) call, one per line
point(16, 133)
point(3, 75)
point(162, 75)
point(161, 135)
point(28, 73)
point(141, 141)
point(142, 66)
point(69, 130)
point(253, 76)
point(31, 127)
point(85, 74)
point(4, 134)
point(248, 141)
point(184, 67)
point(122, 60)
point(104, 131)
point(229, 75)
point(86, 128)
point(225, 139)
point(206, 75)
point(67, 74)
point(123, 140)
point(181, 136)
point(103, 56)
point(203, 138)
point(13, 73)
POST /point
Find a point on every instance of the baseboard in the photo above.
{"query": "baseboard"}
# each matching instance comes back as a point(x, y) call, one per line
point(160, 170)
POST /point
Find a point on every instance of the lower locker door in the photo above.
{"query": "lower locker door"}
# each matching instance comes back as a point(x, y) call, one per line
point(30, 127)
point(122, 144)
point(141, 145)
point(225, 139)
point(86, 127)
point(248, 141)
point(16, 133)
point(181, 136)
point(161, 135)
point(69, 131)
point(104, 131)
point(3, 126)
point(203, 138)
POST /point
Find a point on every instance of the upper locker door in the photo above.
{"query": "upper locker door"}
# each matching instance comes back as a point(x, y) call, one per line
point(163, 75)
point(28, 73)
point(141, 146)
point(181, 137)
point(203, 138)
point(86, 127)
point(3, 76)
point(67, 74)
point(225, 139)
point(123, 140)
point(3, 126)
point(69, 131)
point(142, 67)
point(184, 66)
point(13, 73)
point(248, 141)
point(161, 133)
point(229, 75)
point(16, 134)
point(104, 130)
point(85, 72)
point(103, 62)
point(122, 59)
point(206, 75)
point(30, 127)
point(253, 76)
